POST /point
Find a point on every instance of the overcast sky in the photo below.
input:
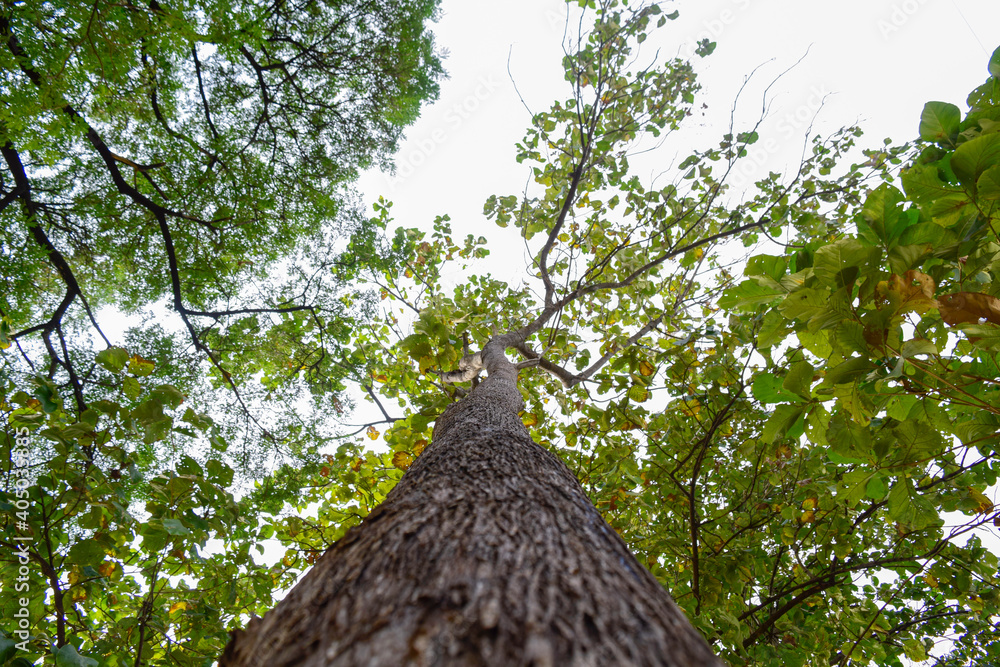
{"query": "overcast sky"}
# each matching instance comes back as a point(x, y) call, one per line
point(875, 62)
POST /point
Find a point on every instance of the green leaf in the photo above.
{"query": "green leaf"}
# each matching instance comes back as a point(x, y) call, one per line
point(902, 258)
point(918, 346)
point(219, 472)
point(848, 371)
point(855, 485)
point(805, 303)
point(746, 295)
point(113, 358)
point(985, 336)
point(7, 648)
point(130, 387)
point(175, 527)
point(850, 337)
point(988, 185)
point(768, 388)
point(168, 395)
point(909, 507)
point(916, 440)
point(939, 121)
point(841, 263)
point(882, 220)
point(766, 265)
point(876, 488)
point(786, 422)
point(849, 442)
point(974, 157)
point(915, 650)
point(67, 656)
point(923, 184)
point(148, 412)
point(994, 64)
point(86, 552)
point(799, 379)
point(154, 537)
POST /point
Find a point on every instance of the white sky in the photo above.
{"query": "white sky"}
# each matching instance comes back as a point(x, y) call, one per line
point(876, 62)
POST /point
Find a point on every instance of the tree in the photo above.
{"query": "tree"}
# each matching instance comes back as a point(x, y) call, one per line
point(778, 451)
point(193, 158)
point(236, 131)
point(486, 552)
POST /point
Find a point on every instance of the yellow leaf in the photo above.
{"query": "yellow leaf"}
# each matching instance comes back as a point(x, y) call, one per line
point(372, 433)
point(178, 606)
point(139, 366)
point(646, 369)
point(913, 291)
point(418, 447)
point(808, 517)
point(931, 580)
point(530, 419)
point(106, 569)
point(691, 407)
point(402, 460)
point(985, 505)
point(638, 393)
point(809, 504)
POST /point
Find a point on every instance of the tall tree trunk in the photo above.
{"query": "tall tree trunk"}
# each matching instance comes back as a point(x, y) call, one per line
point(487, 552)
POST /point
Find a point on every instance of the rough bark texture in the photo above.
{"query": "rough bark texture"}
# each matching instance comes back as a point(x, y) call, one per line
point(487, 552)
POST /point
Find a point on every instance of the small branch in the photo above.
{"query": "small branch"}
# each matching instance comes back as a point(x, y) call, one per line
point(368, 388)
point(136, 165)
point(568, 379)
point(597, 365)
point(201, 91)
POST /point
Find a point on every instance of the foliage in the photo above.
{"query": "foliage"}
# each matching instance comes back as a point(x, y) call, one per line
point(803, 455)
point(186, 165)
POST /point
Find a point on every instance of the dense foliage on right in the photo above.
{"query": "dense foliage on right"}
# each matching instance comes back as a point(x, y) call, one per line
point(880, 327)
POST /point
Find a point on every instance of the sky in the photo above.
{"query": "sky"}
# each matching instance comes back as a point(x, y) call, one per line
point(874, 63)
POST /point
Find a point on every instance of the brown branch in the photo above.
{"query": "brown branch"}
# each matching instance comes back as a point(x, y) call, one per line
point(201, 91)
point(136, 165)
point(22, 187)
point(568, 379)
point(633, 339)
point(161, 119)
point(560, 221)
point(788, 606)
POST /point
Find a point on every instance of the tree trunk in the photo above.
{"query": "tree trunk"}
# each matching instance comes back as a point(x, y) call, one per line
point(487, 552)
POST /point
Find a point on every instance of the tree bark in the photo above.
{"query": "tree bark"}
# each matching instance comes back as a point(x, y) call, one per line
point(487, 552)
